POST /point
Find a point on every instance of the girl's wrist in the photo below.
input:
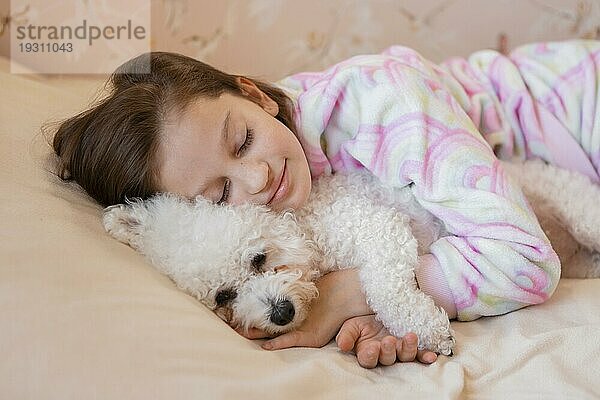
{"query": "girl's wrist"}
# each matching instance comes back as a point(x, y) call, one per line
point(345, 293)
point(431, 281)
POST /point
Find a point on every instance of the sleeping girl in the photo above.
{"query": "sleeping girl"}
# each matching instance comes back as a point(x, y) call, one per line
point(190, 129)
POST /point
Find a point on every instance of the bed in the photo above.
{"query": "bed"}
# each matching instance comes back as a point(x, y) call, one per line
point(85, 317)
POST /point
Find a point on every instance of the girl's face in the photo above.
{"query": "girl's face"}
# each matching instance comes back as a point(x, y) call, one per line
point(233, 150)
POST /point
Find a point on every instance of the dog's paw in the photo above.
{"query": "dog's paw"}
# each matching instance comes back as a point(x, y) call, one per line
point(439, 336)
point(120, 224)
point(446, 343)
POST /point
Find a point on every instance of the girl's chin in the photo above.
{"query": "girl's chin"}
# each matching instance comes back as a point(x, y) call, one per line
point(292, 202)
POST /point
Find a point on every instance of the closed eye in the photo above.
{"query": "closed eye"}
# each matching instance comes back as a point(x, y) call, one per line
point(240, 152)
point(247, 142)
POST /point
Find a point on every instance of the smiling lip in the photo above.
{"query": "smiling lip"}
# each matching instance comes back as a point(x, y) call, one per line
point(282, 187)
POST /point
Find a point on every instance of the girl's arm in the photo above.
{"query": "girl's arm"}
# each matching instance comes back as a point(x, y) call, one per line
point(393, 114)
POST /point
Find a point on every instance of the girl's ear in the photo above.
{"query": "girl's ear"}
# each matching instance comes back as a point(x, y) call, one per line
point(259, 97)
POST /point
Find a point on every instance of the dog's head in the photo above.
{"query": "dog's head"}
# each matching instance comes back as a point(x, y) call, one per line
point(252, 266)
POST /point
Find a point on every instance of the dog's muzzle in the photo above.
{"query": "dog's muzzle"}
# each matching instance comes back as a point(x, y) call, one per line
point(282, 312)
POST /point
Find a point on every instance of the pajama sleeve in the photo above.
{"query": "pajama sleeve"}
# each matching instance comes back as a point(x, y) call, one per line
point(392, 114)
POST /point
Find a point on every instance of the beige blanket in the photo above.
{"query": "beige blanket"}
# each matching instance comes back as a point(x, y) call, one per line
point(85, 317)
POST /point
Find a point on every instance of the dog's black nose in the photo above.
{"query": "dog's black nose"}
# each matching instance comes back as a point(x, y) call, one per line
point(282, 313)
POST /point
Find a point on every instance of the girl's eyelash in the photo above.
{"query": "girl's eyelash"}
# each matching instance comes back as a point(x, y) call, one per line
point(247, 142)
point(241, 151)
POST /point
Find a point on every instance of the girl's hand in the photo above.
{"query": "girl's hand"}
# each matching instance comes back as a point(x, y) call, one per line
point(341, 304)
point(340, 298)
point(372, 343)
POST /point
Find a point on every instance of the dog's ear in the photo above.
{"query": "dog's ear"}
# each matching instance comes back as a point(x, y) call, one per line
point(124, 222)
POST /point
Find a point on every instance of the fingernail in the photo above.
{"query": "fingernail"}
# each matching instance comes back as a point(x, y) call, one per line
point(267, 346)
point(430, 358)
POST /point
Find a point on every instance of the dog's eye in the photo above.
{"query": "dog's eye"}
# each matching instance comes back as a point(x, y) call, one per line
point(258, 260)
point(225, 296)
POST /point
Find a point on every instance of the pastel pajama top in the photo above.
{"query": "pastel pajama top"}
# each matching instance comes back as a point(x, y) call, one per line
point(441, 129)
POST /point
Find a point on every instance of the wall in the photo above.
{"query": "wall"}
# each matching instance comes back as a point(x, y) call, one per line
point(273, 38)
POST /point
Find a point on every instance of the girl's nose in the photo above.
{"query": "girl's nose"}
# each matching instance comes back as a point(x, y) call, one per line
point(255, 176)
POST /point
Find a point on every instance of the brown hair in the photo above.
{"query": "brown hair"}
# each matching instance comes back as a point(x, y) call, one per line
point(110, 149)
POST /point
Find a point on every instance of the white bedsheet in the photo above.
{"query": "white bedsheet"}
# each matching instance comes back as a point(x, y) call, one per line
point(84, 317)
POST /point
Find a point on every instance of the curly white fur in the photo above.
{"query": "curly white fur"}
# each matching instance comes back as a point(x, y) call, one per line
point(254, 267)
point(357, 222)
point(350, 221)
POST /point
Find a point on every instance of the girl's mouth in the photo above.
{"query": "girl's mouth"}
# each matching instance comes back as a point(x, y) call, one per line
point(282, 188)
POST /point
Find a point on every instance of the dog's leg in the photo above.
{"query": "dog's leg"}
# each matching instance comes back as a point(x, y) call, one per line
point(584, 263)
point(378, 240)
point(388, 279)
point(392, 294)
point(571, 198)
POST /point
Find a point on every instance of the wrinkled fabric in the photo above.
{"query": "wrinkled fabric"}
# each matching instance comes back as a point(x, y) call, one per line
point(540, 102)
point(440, 128)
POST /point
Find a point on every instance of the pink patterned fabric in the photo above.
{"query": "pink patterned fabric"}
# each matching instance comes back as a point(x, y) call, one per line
point(440, 128)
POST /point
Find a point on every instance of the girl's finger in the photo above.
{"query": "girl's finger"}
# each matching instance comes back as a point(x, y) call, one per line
point(347, 337)
point(368, 355)
point(290, 339)
point(426, 356)
point(387, 352)
point(409, 348)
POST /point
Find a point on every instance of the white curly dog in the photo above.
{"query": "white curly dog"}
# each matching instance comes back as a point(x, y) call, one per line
point(256, 268)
